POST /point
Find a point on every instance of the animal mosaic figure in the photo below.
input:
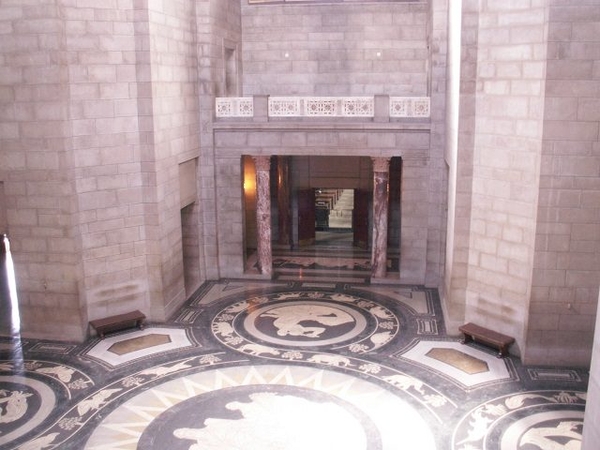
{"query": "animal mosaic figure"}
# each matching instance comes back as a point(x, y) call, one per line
point(164, 370)
point(258, 350)
point(238, 307)
point(64, 374)
point(222, 328)
point(342, 298)
point(16, 405)
point(288, 321)
point(96, 402)
point(405, 382)
point(381, 312)
point(40, 443)
point(542, 437)
point(288, 295)
point(381, 338)
point(332, 360)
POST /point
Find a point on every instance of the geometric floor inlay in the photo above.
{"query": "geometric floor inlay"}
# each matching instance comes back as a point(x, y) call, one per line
point(139, 343)
point(459, 360)
point(466, 370)
point(124, 348)
point(305, 364)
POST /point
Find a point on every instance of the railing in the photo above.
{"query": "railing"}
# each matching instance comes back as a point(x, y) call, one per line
point(321, 106)
point(409, 107)
point(234, 106)
point(365, 107)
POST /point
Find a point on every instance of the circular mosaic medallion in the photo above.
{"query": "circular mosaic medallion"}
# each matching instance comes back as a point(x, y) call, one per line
point(538, 419)
point(260, 407)
point(260, 417)
point(24, 404)
point(305, 323)
point(270, 324)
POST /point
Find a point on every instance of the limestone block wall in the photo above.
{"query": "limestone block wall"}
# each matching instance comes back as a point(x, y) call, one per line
point(336, 49)
point(507, 136)
point(102, 43)
point(172, 138)
point(99, 109)
point(36, 168)
point(218, 22)
point(567, 252)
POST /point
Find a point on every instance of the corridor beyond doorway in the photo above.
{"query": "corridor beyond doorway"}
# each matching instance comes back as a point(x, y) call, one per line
point(336, 206)
point(332, 254)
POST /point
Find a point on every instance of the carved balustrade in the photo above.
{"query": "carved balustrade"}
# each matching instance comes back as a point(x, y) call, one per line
point(320, 107)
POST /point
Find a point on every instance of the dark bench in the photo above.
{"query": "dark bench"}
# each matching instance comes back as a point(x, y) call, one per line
point(118, 322)
point(494, 339)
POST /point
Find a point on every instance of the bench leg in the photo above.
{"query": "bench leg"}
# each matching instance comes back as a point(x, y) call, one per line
point(466, 338)
point(502, 352)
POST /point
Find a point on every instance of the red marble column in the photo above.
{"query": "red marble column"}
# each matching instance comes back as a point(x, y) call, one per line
point(381, 173)
point(263, 213)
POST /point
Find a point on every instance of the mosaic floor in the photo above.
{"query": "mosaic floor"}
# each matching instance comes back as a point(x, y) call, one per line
point(287, 364)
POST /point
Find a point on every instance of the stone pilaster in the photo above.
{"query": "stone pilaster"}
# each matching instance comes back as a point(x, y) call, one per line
point(263, 213)
point(381, 174)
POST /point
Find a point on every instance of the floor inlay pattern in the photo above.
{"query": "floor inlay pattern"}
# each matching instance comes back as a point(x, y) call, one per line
point(286, 365)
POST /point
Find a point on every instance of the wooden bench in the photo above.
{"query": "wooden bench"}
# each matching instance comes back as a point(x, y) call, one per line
point(494, 339)
point(118, 322)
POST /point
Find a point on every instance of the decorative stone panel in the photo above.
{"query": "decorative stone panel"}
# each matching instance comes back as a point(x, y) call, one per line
point(400, 107)
point(321, 106)
point(234, 107)
point(409, 107)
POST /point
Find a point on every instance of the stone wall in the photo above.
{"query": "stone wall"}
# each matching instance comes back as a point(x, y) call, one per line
point(336, 49)
point(99, 109)
point(218, 22)
point(36, 165)
point(567, 256)
point(525, 228)
point(511, 51)
point(102, 44)
point(173, 138)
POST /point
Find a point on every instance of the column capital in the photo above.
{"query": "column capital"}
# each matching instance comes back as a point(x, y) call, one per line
point(262, 163)
point(381, 164)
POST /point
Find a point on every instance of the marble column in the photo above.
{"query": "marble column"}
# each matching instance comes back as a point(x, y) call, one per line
point(381, 174)
point(263, 213)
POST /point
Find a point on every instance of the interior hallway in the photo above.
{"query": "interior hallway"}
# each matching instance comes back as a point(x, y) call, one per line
point(286, 364)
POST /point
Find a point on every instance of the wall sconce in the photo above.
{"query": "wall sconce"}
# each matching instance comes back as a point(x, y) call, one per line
point(286, 55)
point(249, 183)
